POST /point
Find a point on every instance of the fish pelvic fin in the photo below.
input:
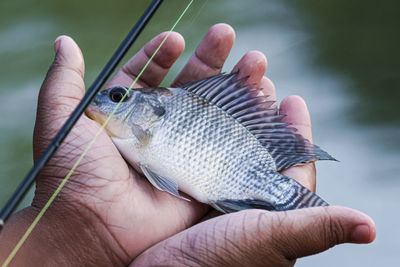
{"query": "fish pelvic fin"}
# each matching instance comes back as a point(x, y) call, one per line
point(162, 183)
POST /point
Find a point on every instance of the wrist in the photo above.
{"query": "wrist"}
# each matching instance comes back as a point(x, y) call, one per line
point(66, 236)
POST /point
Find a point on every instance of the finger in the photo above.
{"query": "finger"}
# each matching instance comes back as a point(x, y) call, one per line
point(261, 238)
point(297, 114)
point(62, 88)
point(64, 80)
point(252, 65)
point(268, 89)
point(310, 231)
point(209, 56)
point(158, 66)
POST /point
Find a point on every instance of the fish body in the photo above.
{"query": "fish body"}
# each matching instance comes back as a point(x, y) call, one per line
point(216, 140)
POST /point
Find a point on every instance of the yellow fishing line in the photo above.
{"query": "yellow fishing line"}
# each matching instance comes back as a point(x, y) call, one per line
point(64, 181)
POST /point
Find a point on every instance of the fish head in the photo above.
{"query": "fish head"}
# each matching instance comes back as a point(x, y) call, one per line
point(133, 116)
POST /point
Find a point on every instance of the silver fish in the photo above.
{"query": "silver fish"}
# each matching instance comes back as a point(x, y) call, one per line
point(216, 140)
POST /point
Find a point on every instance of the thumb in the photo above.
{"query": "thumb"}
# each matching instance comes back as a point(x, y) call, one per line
point(300, 233)
point(261, 238)
point(61, 90)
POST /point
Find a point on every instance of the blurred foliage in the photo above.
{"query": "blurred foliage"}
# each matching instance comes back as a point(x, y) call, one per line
point(360, 39)
point(29, 28)
point(356, 38)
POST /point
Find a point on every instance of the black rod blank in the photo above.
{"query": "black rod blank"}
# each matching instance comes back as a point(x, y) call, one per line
point(91, 92)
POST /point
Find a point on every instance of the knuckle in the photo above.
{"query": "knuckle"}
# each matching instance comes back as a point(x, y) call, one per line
point(333, 230)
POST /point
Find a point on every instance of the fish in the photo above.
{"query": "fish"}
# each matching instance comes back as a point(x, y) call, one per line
point(218, 140)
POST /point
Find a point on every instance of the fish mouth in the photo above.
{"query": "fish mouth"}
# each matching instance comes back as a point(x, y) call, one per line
point(91, 115)
point(94, 115)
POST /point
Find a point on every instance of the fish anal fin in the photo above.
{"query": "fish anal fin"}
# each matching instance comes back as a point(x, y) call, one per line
point(162, 183)
point(232, 205)
point(277, 193)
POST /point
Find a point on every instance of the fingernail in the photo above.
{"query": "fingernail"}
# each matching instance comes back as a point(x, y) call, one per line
point(360, 234)
point(57, 44)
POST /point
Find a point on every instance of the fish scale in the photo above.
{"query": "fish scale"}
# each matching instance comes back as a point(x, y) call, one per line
point(214, 146)
point(215, 139)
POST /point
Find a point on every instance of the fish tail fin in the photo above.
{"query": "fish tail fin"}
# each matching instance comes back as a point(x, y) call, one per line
point(279, 193)
point(292, 195)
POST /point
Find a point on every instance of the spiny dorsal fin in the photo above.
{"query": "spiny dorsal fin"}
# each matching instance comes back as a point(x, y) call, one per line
point(252, 109)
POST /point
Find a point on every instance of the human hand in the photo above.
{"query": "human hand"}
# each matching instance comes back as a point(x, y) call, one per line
point(107, 211)
point(106, 197)
point(258, 237)
point(262, 238)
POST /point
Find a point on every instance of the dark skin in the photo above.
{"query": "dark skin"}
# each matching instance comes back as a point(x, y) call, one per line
point(108, 214)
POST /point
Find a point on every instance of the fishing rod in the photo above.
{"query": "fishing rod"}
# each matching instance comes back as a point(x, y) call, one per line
point(98, 83)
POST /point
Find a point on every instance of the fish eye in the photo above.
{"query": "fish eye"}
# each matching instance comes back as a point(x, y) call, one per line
point(117, 93)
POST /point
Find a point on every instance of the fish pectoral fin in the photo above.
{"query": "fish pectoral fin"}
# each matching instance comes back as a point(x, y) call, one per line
point(232, 205)
point(162, 183)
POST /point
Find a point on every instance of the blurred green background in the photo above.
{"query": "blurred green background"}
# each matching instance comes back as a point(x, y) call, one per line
point(341, 56)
